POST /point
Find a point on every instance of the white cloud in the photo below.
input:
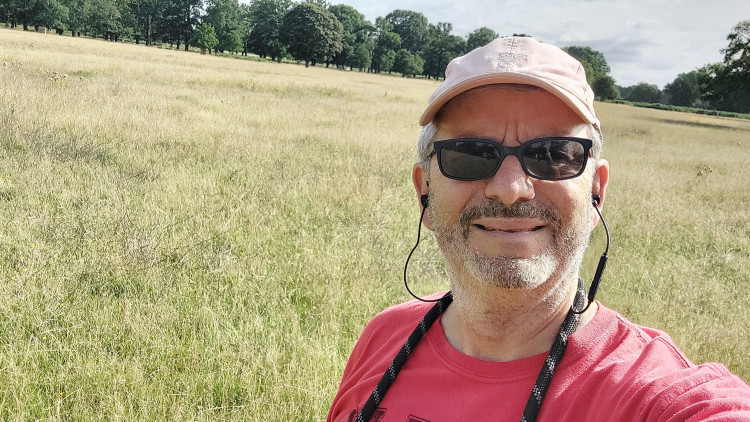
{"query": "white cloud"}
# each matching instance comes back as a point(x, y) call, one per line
point(643, 40)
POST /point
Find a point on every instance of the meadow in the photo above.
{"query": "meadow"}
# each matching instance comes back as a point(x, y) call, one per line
point(190, 237)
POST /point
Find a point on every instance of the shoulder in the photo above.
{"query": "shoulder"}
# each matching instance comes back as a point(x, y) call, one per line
point(642, 373)
point(381, 339)
point(384, 335)
point(611, 337)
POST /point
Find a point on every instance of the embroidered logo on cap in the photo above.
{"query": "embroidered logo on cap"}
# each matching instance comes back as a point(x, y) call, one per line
point(509, 59)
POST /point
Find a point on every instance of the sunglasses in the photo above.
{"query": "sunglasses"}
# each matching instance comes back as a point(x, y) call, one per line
point(555, 158)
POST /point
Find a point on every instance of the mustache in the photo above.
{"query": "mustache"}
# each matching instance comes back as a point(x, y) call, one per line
point(495, 209)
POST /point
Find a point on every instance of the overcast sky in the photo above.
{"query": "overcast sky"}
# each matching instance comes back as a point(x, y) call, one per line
point(643, 40)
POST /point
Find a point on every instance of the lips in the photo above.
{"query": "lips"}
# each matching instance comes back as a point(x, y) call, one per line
point(532, 229)
point(509, 225)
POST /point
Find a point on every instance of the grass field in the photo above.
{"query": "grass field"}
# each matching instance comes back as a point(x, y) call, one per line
point(187, 237)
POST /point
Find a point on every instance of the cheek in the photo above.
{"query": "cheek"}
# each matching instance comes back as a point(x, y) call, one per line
point(570, 197)
point(449, 198)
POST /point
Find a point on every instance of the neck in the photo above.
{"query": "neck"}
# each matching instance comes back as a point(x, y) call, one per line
point(500, 324)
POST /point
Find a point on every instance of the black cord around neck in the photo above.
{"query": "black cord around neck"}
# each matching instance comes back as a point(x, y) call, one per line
point(534, 403)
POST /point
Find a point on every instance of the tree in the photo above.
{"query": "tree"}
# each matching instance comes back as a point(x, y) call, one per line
point(52, 14)
point(480, 37)
point(128, 24)
point(103, 18)
point(387, 60)
point(684, 90)
point(593, 61)
point(407, 64)
point(411, 27)
point(204, 37)
point(737, 53)
point(442, 47)
point(244, 28)
point(356, 31)
point(231, 41)
point(225, 16)
point(644, 93)
point(605, 89)
point(180, 19)
point(361, 58)
point(311, 33)
point(266, 17)
point(23, 11)
point(148, 16)
point(726, 85)
point(597, 71)
point(76, 17)
point(7, 12)
point(324, 4)
point(386, 44)
point(8, 9)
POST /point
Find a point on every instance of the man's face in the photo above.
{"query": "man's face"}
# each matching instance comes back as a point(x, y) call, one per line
point(511, 230)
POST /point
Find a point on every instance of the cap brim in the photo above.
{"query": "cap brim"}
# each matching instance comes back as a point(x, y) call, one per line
point(508, 78)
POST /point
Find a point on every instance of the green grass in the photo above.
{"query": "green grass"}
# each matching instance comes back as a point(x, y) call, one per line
point(188, 237)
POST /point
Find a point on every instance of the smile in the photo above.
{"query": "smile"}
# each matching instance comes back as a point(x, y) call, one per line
point(532, 229)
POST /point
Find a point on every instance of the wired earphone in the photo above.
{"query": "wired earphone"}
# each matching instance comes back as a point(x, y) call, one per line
point(534, 403)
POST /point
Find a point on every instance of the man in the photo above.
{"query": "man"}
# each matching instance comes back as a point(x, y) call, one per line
point(511, 177)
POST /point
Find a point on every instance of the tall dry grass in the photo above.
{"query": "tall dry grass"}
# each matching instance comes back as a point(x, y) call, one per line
point(197, 238)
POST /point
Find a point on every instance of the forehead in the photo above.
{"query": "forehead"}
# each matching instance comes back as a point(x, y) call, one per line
point(508, 111)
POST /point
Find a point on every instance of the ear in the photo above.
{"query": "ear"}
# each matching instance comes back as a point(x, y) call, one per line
point(420, 179)
point(599, 185)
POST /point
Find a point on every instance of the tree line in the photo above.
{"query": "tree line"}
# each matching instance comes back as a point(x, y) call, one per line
point(718, 86)
point(314, 31)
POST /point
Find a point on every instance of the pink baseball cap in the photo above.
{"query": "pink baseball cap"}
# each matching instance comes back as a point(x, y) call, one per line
point(517, 60)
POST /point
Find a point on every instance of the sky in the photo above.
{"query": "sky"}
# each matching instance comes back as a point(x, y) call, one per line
point(649, 41)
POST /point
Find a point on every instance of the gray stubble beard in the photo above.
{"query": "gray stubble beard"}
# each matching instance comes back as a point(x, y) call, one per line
point(560, 258)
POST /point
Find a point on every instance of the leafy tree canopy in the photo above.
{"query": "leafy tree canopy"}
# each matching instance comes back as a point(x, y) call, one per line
point(361, 58)
point(684, 90)
point(386, 45)
point(644, 93)
point(726, 85)
point(605, 89)
point(593, 61)
point(356, 32)
point(407, 64)
point(204, 37)
point(226, 18)
point(480, 37)
point(311, 33)
point(442, 47)
point(411, 27)
point(737, 53)
point(266, 17)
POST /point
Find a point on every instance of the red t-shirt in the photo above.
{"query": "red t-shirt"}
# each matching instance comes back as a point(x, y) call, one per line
point(612, 370)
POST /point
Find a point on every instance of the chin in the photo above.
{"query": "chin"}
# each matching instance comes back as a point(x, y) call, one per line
point(512, 273)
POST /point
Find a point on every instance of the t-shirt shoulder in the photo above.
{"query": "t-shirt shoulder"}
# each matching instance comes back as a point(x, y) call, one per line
point(611, 332)
point(647, 374)
point(390, 328)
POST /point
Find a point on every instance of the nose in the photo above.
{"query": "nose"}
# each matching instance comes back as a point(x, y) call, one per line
point(510, 184)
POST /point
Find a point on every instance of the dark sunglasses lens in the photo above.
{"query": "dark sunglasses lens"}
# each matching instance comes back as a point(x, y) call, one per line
point(469, 160)
point(554, 158)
